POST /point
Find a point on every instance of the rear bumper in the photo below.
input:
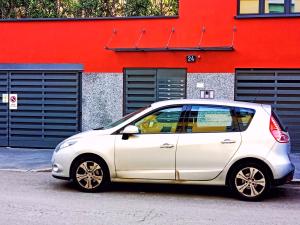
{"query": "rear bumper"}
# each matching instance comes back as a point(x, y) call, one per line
point(285, 179)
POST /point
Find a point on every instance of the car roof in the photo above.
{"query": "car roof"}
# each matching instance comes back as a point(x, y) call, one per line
point(205, 102)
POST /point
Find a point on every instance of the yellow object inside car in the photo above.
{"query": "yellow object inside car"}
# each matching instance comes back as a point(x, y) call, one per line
point(157, 123)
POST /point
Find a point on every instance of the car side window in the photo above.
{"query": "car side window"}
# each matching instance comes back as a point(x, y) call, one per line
point(162, 121)
point(244, 117)
point(210, 119)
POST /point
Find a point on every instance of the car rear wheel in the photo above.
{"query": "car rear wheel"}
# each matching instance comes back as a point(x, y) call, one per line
point(90, 174)
point(250, 182)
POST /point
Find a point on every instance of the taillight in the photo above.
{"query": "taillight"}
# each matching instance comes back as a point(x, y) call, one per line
point(277, 132)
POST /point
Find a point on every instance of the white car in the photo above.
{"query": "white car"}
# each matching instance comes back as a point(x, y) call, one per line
point(241, 145)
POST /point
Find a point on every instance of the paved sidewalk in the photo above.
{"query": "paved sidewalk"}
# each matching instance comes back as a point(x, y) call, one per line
point(25, 159)
point(40, 159)
point(295, 158)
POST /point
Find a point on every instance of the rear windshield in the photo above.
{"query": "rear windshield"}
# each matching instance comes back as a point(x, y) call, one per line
point(244, 117)
point(276, 117)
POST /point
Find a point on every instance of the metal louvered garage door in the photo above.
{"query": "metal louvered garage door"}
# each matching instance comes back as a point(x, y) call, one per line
point(145, 86)
point(3, 110)
point(48, 108)
point(279, 88)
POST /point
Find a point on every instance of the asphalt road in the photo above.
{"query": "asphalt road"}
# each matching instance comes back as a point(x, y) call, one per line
point(37, 198)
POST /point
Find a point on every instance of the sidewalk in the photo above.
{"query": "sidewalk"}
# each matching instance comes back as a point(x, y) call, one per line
point(25, 159)
point(295, 158)
point(40, 160)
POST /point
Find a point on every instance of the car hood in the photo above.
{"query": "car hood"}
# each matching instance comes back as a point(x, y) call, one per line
point(90, 133)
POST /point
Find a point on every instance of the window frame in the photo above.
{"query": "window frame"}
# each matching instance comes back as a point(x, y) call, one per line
point(238, 119)
point(182, 117)
point(186, 109)
point(261, 11)
point(233, 115)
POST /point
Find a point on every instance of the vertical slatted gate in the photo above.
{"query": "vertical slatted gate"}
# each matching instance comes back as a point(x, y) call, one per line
point(3, 109)
point(140, 89)
point(145, 86)
point(48, 108)
point(279, 88)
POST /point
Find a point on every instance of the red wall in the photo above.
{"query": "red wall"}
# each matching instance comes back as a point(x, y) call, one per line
point(259, 43)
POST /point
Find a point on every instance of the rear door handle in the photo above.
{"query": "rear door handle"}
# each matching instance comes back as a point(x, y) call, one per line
point(228, 141)
point(167, 145)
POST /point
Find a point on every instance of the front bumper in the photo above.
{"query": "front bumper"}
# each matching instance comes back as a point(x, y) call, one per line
point(61, 178)
point(61, 163)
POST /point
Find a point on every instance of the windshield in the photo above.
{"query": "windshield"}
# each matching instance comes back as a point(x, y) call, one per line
point(118, 122)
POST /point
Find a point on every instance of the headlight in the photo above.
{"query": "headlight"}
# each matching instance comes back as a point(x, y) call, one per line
point(65, 144)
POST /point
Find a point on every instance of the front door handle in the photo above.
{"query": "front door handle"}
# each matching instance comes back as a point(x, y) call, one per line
point(228, 141)
point(167, 145)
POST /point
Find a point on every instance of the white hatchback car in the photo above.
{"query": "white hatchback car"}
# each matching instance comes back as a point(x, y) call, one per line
point(241, 145)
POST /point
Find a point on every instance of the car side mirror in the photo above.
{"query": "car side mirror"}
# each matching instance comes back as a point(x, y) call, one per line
point(129, 130)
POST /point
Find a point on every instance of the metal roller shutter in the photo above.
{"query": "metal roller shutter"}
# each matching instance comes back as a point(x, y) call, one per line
point(3, 109)
point(48, 107)
point(145, 86)
point(140, 89)
point(280, 88)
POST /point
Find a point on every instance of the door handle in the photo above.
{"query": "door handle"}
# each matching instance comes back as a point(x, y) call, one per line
point(167, 145)
point(228, 141)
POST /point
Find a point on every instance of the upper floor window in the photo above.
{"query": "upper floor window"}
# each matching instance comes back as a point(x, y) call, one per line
point(295, 6)
point(249, 7)
point(268, 7)
point(18, 9)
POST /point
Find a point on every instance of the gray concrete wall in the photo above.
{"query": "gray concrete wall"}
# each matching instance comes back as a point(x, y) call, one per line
point(221, 83)
point(102, 94)
point(102, 99)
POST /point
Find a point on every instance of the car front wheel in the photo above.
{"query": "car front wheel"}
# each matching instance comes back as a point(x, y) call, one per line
point(250, 182)
point(90, 174)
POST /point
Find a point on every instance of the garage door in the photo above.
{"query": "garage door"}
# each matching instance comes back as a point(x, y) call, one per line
point(280, 88)
point(44, 104)
point(145, 86)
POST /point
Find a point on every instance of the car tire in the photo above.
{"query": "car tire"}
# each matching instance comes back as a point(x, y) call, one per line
point(250, 181)
point(90, 174)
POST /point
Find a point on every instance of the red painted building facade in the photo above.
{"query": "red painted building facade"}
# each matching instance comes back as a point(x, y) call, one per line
point(261, 54)
point(259, 43)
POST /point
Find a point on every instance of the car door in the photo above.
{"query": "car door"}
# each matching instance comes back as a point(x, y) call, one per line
point(210, 139)
point(151, 153)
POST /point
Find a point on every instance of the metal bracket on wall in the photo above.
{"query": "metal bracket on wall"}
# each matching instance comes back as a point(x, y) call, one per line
point(167, 48)
point(143, 31)
point(114, 33)
point(202, 34)
point(171, 34)
point(233, 35)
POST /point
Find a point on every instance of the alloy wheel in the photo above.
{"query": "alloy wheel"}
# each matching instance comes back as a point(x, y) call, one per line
point(250, 182)
point(89, 175)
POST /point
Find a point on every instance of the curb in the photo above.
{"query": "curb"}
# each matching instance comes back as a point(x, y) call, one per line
point(295, 181)
point(14, 170)
point(30, 170)
point(41, 170)
point(48, 169)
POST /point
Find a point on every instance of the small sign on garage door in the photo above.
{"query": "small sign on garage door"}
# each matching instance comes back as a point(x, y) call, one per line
point(13, 101)
point(4, 98)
